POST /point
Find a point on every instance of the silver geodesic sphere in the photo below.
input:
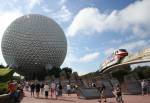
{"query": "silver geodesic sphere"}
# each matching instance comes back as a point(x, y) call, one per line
point(33, 42)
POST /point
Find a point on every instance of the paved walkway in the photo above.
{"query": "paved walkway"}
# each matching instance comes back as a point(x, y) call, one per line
point(73, 99)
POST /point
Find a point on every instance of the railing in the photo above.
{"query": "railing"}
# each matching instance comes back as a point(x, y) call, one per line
point(138, 56)
point(143, 56)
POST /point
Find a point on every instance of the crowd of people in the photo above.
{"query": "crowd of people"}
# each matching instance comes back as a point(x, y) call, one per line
point(46, 89)
point(54, 89)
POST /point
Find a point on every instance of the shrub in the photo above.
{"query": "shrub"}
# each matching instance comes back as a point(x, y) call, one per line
point(3, 88)
point(6, 74)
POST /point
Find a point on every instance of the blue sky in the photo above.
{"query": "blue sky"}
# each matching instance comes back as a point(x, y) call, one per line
point(94, 28)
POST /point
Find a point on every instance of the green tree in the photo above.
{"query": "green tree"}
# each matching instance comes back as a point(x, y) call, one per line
point(55, 71)
point(120, 73)
point(6, 74)
point(68, 72)
point(146, 73)
point(142, 71)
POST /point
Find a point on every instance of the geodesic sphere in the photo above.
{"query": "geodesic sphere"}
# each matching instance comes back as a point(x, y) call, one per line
point(32, 42)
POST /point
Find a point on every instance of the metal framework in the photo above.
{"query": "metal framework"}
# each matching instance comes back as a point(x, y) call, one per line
point(33, 42)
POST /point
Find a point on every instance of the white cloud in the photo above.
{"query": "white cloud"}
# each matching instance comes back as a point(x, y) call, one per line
point(63, 2)
point(109, 51)
point(15, 0)
point(71, 57)
point(63, 15)
point(137, 45)
point(88, 19)
point(77, 62)
point(87, 49)
point(5, 19)
point(90, 57)
point(116, 41)
point(142, 33)
point(134, 17)
point(135, 14)
point(45, 9)
point(32, 3)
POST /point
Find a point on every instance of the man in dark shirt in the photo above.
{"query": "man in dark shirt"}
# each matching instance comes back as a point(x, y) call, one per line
point(42, 88)
point(60, 89)
point(32, 87)
point(37, 87)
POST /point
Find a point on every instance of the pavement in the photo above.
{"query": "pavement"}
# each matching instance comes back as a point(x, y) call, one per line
point(73, 99)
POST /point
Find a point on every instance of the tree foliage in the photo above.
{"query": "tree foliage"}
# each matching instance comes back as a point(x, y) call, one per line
point(142, 71)
point(68, 72)
point(6, 74)
point(91, 74)
point(120, 73)
point(2, 66)
point(55, 71)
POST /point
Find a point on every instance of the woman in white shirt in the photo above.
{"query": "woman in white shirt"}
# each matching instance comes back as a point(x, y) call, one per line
point(46, 89)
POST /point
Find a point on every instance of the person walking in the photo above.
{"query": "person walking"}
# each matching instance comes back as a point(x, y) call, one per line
point(60, 89)
point(37, 87)
point(68, 89)
point(144, 87)
point(46, 89)
point(53, 90)
point(42, 88)
point(32, 88)
point(27, 85)
point(102, 93)
point(118, 94)
point(148, 87)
